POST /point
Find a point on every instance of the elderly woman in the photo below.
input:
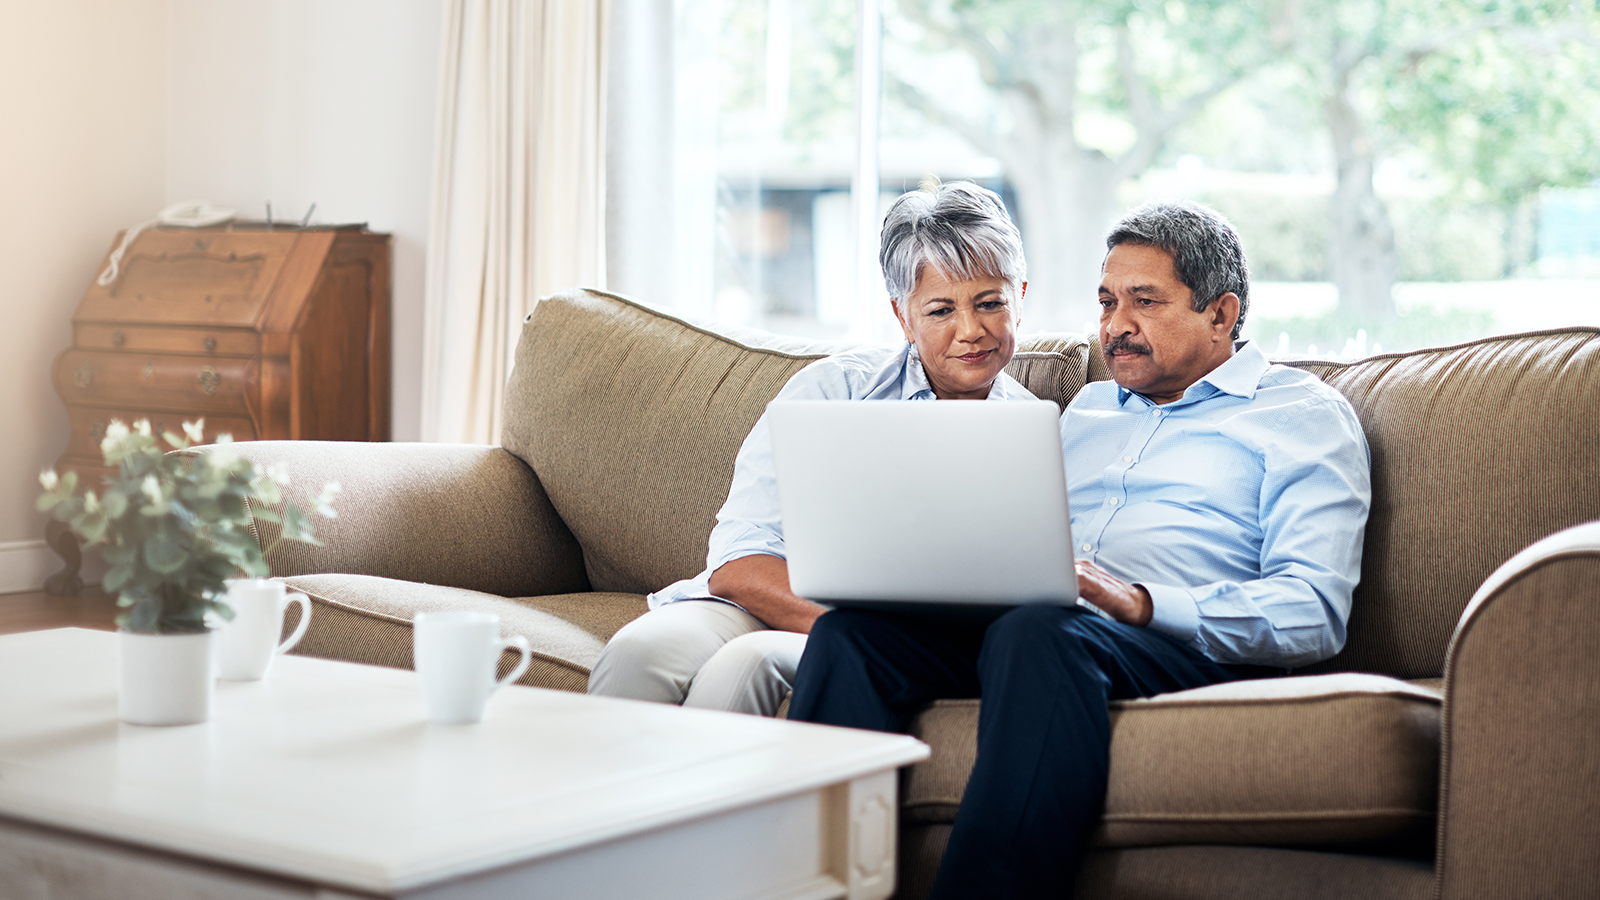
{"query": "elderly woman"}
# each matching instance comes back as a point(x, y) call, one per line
point(731, 637)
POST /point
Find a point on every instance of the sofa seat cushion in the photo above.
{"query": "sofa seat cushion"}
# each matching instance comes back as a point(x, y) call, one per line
point(1312, 760)
point(365, 619)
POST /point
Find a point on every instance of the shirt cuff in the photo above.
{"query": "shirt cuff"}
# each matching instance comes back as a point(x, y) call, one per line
point(1175, 614)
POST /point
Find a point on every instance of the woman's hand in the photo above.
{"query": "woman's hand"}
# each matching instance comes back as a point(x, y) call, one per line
point(760, 584)
point(1127, 603)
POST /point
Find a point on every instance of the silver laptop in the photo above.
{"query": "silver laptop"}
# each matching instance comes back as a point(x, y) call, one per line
point(890, 503)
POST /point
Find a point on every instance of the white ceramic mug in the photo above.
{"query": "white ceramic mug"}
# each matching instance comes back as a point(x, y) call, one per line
point(455, 654)
point(247, 645)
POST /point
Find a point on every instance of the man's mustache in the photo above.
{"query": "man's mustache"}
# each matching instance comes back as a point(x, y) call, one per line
point(1124, 345)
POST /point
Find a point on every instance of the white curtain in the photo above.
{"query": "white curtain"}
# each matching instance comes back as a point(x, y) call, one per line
point(518, 197)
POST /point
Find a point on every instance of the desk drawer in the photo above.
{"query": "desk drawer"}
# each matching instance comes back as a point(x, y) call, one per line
point(186, 384)
point(89, 427)
point(142, 339)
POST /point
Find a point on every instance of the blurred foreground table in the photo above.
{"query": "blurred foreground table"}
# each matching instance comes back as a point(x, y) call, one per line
point(325, 780)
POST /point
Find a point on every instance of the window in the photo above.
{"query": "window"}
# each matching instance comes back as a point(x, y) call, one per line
point(1398, 171)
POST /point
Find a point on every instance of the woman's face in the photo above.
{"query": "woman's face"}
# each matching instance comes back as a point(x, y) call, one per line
point(965, 331)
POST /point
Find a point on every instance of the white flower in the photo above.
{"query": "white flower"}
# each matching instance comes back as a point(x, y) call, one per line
point(278, 473)
point(325, 500)
point(142, 426)
point(91, 503)
point(194, 430)
point(49, 479)
point(152, 489)
point(115, 432)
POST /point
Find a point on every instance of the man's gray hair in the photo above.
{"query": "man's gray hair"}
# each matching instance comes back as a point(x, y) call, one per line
point(959, 228)
point(1205, 250)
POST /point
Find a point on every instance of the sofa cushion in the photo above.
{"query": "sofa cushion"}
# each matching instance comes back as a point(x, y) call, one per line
point(632, 419)
point(1309, 760)
point(468, 515)
point(365, 619)
point(1052, 367)
point(1478, 450)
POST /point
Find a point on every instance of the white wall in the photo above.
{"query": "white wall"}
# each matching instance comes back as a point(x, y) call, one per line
point(111, 109)
point(82, 153)
point(314, 101)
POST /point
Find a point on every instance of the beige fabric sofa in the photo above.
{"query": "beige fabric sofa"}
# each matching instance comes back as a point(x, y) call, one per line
point(1448, 751)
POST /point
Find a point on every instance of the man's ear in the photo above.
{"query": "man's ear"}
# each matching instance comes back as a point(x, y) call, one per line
point(901, 318)
point(1224, 313)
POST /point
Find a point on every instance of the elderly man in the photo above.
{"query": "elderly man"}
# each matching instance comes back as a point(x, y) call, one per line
point(730, 638)
point(1218, 505)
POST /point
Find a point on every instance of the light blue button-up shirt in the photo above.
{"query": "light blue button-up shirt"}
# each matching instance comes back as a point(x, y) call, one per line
point(749, 522)
point(1240, 506)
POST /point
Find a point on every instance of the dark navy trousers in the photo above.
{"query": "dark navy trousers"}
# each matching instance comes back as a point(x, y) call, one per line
point(1046, 675)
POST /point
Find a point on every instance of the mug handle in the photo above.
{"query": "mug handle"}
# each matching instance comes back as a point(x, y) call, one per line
point(521, 643)
point(305, 619)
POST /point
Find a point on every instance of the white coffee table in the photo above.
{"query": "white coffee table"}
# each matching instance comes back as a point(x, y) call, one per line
point(325, 780)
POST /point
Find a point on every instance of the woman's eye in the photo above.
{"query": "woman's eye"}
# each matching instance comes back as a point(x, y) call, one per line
point(939, 313)
point(991, 304)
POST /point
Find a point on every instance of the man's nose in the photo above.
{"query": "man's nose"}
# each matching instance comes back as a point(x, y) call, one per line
point(1118, 322)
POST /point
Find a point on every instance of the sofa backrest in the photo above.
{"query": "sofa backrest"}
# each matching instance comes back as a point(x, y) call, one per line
point(1478, 450)
point(631, 418)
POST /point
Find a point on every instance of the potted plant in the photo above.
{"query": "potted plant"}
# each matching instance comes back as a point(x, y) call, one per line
point(174, 528)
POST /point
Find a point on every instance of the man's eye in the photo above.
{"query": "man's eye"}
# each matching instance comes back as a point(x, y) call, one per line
point(1107, 304)
point(1145, 302)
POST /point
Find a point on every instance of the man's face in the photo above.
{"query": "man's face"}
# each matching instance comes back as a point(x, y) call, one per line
point(1155, 343)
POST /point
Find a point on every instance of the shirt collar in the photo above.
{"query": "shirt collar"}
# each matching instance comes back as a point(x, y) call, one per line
point(918, 387)
point(1239, 375)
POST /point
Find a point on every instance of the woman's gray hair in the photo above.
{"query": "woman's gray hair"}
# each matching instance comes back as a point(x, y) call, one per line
point(959, 228)
point(1205, 250)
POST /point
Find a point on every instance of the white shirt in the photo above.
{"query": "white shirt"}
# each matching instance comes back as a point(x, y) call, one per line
point(749, 522)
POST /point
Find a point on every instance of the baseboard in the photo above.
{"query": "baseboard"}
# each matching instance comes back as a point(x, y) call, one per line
point(24, 565)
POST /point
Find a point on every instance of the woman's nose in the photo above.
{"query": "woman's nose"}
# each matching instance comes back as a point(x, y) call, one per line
point(967, 325)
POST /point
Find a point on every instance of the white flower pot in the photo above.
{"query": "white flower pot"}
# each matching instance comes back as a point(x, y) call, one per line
point(164, 679)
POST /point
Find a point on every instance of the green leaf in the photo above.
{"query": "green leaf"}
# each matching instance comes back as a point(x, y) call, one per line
point(117, 577)
point(115, 502)
point(143, 616)
point(297, 526)
point(164, 555)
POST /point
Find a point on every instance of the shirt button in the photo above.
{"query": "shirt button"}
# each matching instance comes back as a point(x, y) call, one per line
point(1155, 412)
point(1127, 459)
point(1113, 501)
point(1086, 548)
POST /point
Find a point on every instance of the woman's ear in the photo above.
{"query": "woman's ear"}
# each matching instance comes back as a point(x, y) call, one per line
point(900, 316)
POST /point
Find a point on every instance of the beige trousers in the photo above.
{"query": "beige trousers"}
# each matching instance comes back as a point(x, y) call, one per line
point(701, 653)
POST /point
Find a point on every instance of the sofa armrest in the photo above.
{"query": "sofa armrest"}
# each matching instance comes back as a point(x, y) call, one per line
point(1521, 720)
point(461, 515)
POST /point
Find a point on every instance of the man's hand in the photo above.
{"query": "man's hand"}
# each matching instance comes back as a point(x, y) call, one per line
point(1127, 603)
point(760, 584)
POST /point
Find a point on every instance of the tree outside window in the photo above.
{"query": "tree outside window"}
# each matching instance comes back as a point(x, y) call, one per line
point(1398, 169)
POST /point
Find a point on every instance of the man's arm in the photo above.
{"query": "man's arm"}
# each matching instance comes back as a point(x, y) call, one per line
point(1129, 604)
point(760, 584)
point(1314, 497)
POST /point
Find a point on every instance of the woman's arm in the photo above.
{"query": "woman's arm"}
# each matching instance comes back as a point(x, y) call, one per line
point(760, 584)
